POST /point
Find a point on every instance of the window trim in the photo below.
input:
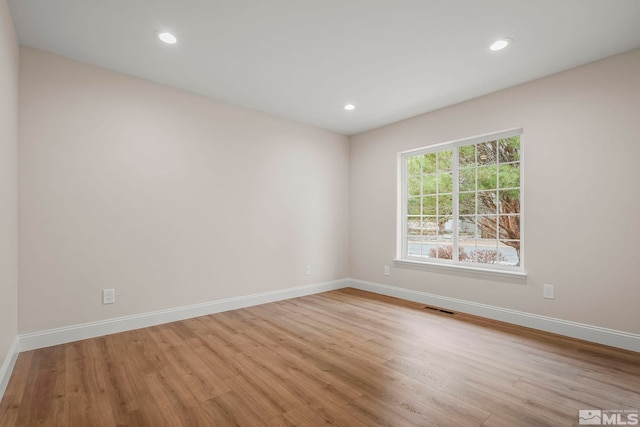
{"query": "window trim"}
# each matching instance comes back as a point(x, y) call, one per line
point(402, 258)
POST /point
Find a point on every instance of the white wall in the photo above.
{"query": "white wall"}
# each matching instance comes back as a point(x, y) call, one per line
point(174, 199)
point(8, 182)
point(582, 194)
point(168, 197)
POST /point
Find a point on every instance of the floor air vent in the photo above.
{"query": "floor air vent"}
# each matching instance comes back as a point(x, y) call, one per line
point(439, 309)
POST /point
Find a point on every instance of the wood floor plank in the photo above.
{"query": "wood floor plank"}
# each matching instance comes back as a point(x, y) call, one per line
point(14, 396)
point(306, 416)
point(343, 358)
point(497, 421)
point(41, 401)
point(87, 387)
point(229, 409)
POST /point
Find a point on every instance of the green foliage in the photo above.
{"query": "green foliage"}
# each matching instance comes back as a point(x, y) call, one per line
point(445, 182)
point(429, 184)
point(509, 149)
point(414, 165)
point(487, 178)
point(429, 162)
point(413, 206)
point(467, 203)
point(509, 196)
point(467, 179)
point(509, 175)
point(445, 205)
point(467, 156)
point(444, 160)
point(429, 204)
point(414, 186)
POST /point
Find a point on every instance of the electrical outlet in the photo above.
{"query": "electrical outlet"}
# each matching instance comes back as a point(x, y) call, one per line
point(548, 291)
point(108, 296)
point(386, 270)
point(307, 270)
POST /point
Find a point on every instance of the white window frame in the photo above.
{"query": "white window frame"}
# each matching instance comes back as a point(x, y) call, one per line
point(402, 257)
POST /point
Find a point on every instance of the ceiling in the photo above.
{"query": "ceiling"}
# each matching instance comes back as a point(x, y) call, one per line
point(305, 59)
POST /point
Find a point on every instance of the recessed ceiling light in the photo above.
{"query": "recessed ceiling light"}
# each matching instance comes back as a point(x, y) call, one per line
point(500, 44)
point(168, 38)
point(349, 107)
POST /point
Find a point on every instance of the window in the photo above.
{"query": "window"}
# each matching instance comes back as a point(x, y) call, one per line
point(461, 203)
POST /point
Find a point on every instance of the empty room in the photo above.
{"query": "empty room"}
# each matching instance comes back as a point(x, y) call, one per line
point(303, 213)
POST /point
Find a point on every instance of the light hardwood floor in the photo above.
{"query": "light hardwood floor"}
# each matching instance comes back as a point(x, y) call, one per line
point(346, 357)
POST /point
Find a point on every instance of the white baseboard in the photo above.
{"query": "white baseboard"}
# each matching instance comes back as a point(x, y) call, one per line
point(67, 334)
point(7, 365)
point(610, 337)
point(32, 341)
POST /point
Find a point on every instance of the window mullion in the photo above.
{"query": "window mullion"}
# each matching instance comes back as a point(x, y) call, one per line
point(498, 202)
point(405, 212)
point(456, 199)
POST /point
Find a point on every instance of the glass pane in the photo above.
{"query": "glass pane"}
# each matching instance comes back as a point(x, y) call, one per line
point(445, 251)
point(445, 183)
point(413, 206)
point(467, 250)
point(509, 149)
point(465, 255)
point(488, 227)
point(487, 178)
point(509, 252)
point(445, 227)
point(429, 206)
point(413, 248)
point(509, 201)
point(487, 154)
point(430, 249)
point(487, 202)
point(467, 155)
point(413, 186)
point(428, 244)
point(414, 165)
point(430, 226)
point(467, 178)
point(413, 226)
point(487, 252)
point(429, 163)
point(414, 232)
point(429, 184)
point(467, 228)
point(509, 226)
point(467, 203)
point(445, 204)
point(444, 160)
point(509, 175)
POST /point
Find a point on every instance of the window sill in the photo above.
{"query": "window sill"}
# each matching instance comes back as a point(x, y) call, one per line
point(462, 269)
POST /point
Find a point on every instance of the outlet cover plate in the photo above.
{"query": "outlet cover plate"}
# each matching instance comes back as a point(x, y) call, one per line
point(108, 296)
